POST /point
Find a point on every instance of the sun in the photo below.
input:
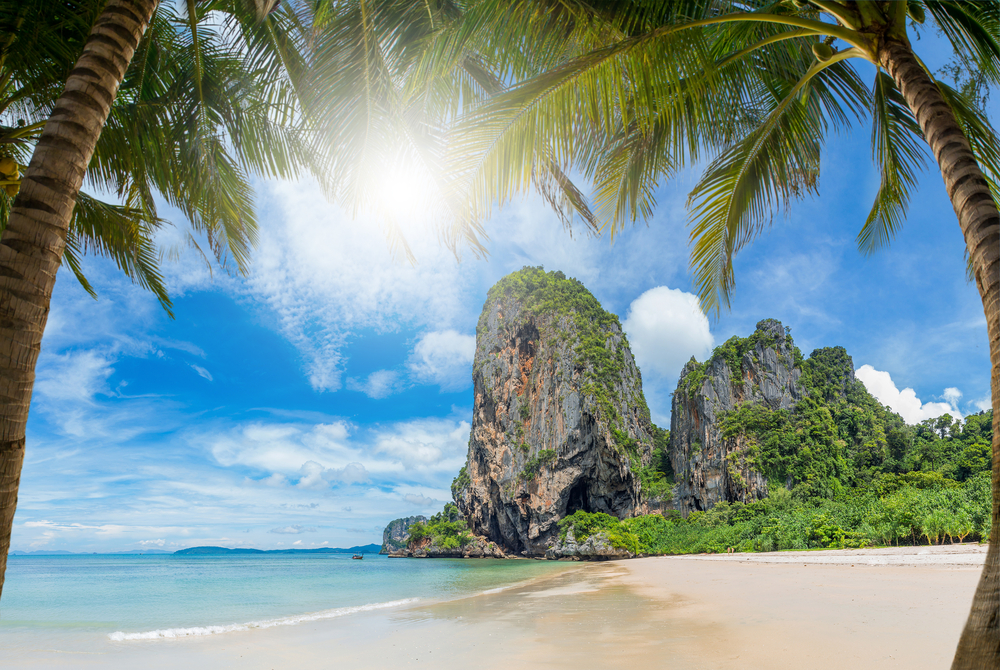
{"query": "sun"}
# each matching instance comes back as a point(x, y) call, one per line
point(405, 194)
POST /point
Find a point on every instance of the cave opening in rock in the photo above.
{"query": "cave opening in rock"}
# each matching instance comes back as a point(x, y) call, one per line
point(578, 499)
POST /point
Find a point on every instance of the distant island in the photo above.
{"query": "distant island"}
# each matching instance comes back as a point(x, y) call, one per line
point(203, 551)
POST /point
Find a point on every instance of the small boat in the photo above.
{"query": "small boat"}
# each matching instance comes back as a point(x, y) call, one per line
point(358, 557)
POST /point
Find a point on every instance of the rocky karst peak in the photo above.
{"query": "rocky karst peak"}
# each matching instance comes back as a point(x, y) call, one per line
point(560, 423)
point(712, 451)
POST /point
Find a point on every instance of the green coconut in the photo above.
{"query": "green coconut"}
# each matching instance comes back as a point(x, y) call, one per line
point(822, 51)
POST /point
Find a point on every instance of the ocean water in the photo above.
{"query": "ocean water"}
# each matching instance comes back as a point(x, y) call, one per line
point(65, 600)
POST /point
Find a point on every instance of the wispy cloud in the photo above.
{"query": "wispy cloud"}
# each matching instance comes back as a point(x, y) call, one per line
point(293, 530)
point(443, 357)
point(202, 372)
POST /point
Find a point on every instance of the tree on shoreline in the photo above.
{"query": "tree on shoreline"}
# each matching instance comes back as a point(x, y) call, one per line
point(756, 86)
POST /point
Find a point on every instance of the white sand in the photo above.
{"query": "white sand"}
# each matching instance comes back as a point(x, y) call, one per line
point(883, 608)
point(947, 555)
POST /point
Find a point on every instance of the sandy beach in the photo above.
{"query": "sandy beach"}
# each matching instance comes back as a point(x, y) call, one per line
point(820, 609)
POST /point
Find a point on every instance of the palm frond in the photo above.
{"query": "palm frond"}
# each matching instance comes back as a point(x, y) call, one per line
point(972, 29)
point(122, 234)
point(897, 148)
point(737, 196)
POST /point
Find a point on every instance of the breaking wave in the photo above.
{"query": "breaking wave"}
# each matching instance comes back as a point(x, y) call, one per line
point(197, 631)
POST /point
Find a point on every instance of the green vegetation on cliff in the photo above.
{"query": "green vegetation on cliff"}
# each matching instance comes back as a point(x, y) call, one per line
point(732, 352)
point(658, 477)
point(461, 482)
point(560, 300)
point(839, 436)
point(913, 508)
point(446, 529)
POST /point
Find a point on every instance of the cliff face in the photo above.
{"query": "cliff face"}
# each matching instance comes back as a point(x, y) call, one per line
point(708, 466)
point(713, 462)
point(560, 423)
point(396, 536)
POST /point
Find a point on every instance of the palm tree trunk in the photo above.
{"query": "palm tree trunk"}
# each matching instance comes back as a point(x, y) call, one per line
point(977, 214)
point(32, 245)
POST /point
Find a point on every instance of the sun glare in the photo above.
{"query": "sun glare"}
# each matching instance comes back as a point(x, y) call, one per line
point(405, 195)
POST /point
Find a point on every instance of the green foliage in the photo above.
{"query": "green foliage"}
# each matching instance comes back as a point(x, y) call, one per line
point(535, 463)
point(840, 436)
point(826, 372)
point(692, 382)
point(657, 478)
point(446, 529)
point(586, 524)
point(461, 482)
point(554, 295)
point(908, 511)
point(732, 352)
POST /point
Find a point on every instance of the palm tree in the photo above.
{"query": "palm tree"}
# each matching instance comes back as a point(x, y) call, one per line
point(184, 104)
point(641, 89)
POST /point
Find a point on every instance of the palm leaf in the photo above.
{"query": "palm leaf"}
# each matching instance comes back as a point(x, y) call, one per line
point(897, 148)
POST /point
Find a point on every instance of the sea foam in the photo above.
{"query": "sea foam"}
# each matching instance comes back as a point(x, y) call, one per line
point(197, 631)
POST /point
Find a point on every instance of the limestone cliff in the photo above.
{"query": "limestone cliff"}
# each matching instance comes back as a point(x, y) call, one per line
point(714, 461)
point(559, 423)
point(396, 536)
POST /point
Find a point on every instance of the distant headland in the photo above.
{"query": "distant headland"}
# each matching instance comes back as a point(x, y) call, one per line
point(204, 551)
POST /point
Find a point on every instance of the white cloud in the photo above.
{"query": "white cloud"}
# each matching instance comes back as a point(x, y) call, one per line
point(905, 402)
point(379, 384)
point(443, 357)
point(352, 473)
point(666, 327)
point(202, 372)
point(315, 475)
point(312, 475)
point(276, 480)
point(319, 456)
point(297, 529)
point(426, 443)
point(282, 448)
point(77, 376)
point(419, 500)
point(952, 395)
point(983, 404)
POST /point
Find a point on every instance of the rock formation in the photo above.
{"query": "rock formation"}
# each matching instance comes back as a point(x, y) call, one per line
point(764, 369)
point(560, 423)
point(395, 536)
point(478, 547)
point(597, 547)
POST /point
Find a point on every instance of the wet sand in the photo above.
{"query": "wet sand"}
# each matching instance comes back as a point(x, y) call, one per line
point(893, 608)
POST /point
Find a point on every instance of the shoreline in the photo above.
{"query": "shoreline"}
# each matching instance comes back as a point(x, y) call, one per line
point(819, 609)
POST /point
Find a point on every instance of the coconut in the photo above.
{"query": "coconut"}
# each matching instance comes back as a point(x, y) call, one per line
point(916, 12)
point(822, 51)
point(8, 165)
point(12, 189)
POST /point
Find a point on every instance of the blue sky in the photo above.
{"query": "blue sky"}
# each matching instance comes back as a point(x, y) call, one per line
point(330, 390)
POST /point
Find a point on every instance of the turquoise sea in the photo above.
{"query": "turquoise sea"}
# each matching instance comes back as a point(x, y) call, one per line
point(57, 600)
